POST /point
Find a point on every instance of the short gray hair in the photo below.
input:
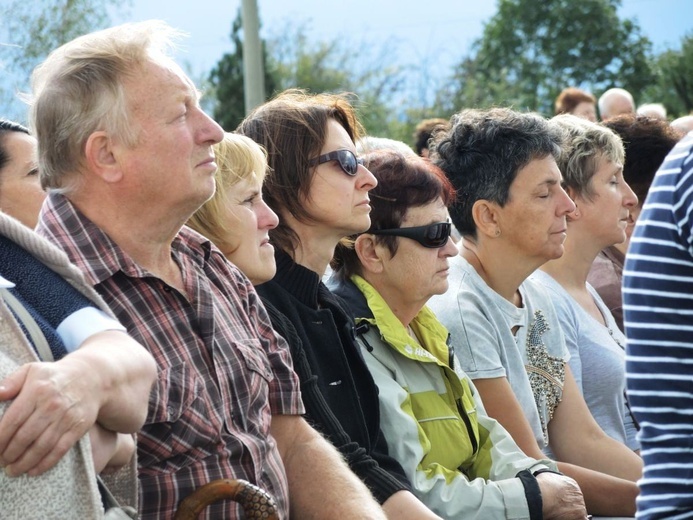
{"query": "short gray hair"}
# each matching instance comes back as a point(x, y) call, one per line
point(587, 143)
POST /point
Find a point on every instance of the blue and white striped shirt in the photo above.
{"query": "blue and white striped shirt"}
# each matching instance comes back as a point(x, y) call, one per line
point(658, 310)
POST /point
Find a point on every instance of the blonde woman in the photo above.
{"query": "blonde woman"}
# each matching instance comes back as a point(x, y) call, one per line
point(236, 218)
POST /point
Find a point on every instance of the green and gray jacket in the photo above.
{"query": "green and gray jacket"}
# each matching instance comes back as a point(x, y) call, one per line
point(461, 462)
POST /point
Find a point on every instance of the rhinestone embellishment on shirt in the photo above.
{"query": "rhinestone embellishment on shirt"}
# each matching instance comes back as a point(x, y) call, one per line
point(546, 373)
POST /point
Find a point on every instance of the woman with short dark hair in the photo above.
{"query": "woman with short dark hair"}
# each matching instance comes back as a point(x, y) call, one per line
point(511, 210)
point(462, 463)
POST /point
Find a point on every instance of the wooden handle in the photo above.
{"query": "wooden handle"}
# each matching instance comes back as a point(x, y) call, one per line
point(257, 503)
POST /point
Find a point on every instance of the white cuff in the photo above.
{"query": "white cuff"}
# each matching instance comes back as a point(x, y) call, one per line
point(78, 326)
point(5, 284)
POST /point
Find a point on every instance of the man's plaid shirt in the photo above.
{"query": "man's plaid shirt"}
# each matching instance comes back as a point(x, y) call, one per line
point(222, 369)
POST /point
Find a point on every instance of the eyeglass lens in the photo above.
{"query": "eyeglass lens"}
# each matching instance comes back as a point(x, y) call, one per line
point(438, 233)
point(347, 160)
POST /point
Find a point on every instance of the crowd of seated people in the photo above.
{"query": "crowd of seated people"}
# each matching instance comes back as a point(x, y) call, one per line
point(168, 322)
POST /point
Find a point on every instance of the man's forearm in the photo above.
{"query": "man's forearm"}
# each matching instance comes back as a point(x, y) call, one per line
point(403, 505)
point(321, 485)
point(125, 372)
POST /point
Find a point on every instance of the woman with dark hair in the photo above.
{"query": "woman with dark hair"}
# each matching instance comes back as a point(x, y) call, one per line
point(511, 211)
point(21, 195)
point(319, 188)
point(646, 142)
point(462, 463)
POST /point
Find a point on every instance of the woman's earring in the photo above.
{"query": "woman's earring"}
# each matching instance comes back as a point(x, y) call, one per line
point(576, 213)
point(498, 232)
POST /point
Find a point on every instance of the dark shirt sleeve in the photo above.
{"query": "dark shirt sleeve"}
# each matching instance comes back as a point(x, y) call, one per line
point(47, 296)
point(42, 288)
point(383, 481)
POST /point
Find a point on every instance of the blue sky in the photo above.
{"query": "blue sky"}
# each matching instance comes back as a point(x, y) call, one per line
point(434, 38)
point(417, 35)
point(442, 33)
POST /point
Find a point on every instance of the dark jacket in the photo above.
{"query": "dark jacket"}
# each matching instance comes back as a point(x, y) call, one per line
point(339, 394)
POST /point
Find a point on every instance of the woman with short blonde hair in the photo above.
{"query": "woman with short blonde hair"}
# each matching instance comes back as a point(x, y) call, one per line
point(236, 218)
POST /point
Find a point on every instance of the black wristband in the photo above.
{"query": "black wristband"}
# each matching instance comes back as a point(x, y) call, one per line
point(535, 503)
point(546, 470)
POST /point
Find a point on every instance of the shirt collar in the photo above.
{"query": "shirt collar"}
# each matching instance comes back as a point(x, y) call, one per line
point(94, 252)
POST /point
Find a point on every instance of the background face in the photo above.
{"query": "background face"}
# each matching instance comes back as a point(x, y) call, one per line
point(21, 195)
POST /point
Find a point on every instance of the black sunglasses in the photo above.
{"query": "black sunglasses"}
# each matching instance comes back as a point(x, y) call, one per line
point(433, 235)
point(346, 158)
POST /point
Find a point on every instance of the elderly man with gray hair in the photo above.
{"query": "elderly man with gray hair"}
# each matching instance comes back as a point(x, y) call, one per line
point(614, 102)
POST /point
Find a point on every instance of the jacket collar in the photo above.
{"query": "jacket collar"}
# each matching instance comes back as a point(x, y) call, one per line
point(355, 299)
point(430, 332)
point(299, 281)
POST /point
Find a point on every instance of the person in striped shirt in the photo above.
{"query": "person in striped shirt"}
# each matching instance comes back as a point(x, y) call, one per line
point(658, 309)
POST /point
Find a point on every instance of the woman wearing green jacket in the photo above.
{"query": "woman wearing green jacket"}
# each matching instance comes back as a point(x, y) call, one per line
point(462, 463)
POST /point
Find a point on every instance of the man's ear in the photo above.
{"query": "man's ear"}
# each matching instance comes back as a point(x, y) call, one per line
point(101, 158)
point(369, 253)
point(485, 215)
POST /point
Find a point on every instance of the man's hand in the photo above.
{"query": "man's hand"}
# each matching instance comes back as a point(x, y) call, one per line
point(562, 497)
point(110, 451)
point(55, 404)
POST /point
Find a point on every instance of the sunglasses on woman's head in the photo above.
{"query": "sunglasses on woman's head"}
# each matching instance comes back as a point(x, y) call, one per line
point(346, 158)
point(433, 236)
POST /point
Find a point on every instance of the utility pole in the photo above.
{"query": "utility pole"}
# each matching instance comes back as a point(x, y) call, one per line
point(253, 73)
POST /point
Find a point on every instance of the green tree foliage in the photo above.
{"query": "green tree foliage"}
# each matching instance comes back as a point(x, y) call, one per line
point(530, 50)
point(293, 60)
point(674, 85)
point(338, 66)
point(226, 80)
point(30, 30)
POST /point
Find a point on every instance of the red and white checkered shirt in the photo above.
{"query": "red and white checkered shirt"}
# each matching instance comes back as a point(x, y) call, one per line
point(222, 369)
